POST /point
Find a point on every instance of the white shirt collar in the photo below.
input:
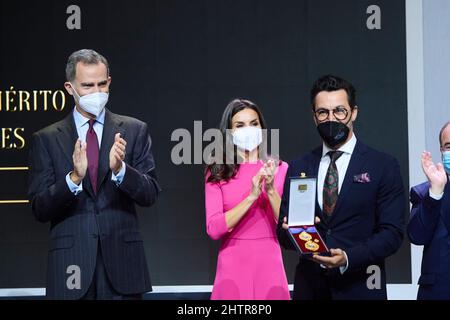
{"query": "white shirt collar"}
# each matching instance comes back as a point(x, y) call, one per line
point(348, 147)
point(81, 120)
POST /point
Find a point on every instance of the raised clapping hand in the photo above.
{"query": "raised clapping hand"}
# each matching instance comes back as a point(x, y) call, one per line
point(257, 181)
point(117, 154)
point(269, 175)
point(80, 162)
point(266, 176)
point(435, 173)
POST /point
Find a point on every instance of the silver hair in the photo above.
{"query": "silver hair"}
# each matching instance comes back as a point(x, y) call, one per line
point(86, 56)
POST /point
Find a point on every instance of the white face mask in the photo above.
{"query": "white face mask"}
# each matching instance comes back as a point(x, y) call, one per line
point(247, 138)
point(92, 103)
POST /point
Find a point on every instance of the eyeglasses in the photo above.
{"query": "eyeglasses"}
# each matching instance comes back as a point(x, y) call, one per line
point(322, 114)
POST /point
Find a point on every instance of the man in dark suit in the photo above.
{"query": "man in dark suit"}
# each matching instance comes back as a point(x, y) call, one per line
point(87, 173)
point(429, 225)
point(360, 203)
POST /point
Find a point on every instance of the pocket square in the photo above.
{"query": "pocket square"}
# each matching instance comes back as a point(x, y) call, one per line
point(361, 178)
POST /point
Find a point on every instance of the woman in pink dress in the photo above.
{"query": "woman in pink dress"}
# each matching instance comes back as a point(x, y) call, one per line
point(242, 208)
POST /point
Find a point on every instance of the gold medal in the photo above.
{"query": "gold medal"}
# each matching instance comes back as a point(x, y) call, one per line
point(305, 236)
point(312, 246)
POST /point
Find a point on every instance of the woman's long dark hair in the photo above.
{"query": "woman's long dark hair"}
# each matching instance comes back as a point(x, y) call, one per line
point(225, 171)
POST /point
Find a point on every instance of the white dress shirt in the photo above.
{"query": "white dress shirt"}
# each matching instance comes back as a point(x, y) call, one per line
point(436, 196)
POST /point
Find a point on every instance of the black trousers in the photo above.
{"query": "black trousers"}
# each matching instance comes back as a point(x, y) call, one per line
point(101, 287)
point(316, 286)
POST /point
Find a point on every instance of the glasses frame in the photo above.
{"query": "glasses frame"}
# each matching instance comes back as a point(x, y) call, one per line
point(316, 113)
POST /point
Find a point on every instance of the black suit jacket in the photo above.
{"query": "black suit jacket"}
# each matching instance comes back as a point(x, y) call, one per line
point(80, 223)
point(368, 223)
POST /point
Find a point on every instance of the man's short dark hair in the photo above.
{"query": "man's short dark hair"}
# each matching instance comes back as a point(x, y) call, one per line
point(442, 131)
point(86, 56)
point(332, 83)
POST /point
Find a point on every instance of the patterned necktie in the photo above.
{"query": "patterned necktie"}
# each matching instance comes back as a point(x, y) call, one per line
point(92, 152)
point(331, 184)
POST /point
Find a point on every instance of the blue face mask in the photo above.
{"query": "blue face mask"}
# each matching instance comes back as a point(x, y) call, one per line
point(446, 161)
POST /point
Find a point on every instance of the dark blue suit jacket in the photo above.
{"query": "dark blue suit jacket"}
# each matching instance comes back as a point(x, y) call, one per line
point(429, 226)
point(368, 224)
point(80, 223)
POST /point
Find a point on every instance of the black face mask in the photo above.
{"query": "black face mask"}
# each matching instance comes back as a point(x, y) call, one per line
point(333, 133)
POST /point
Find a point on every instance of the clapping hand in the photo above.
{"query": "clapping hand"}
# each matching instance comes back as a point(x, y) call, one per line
point(80, 162)
point(435, 173)
point(269, 174)
point(117, 154)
